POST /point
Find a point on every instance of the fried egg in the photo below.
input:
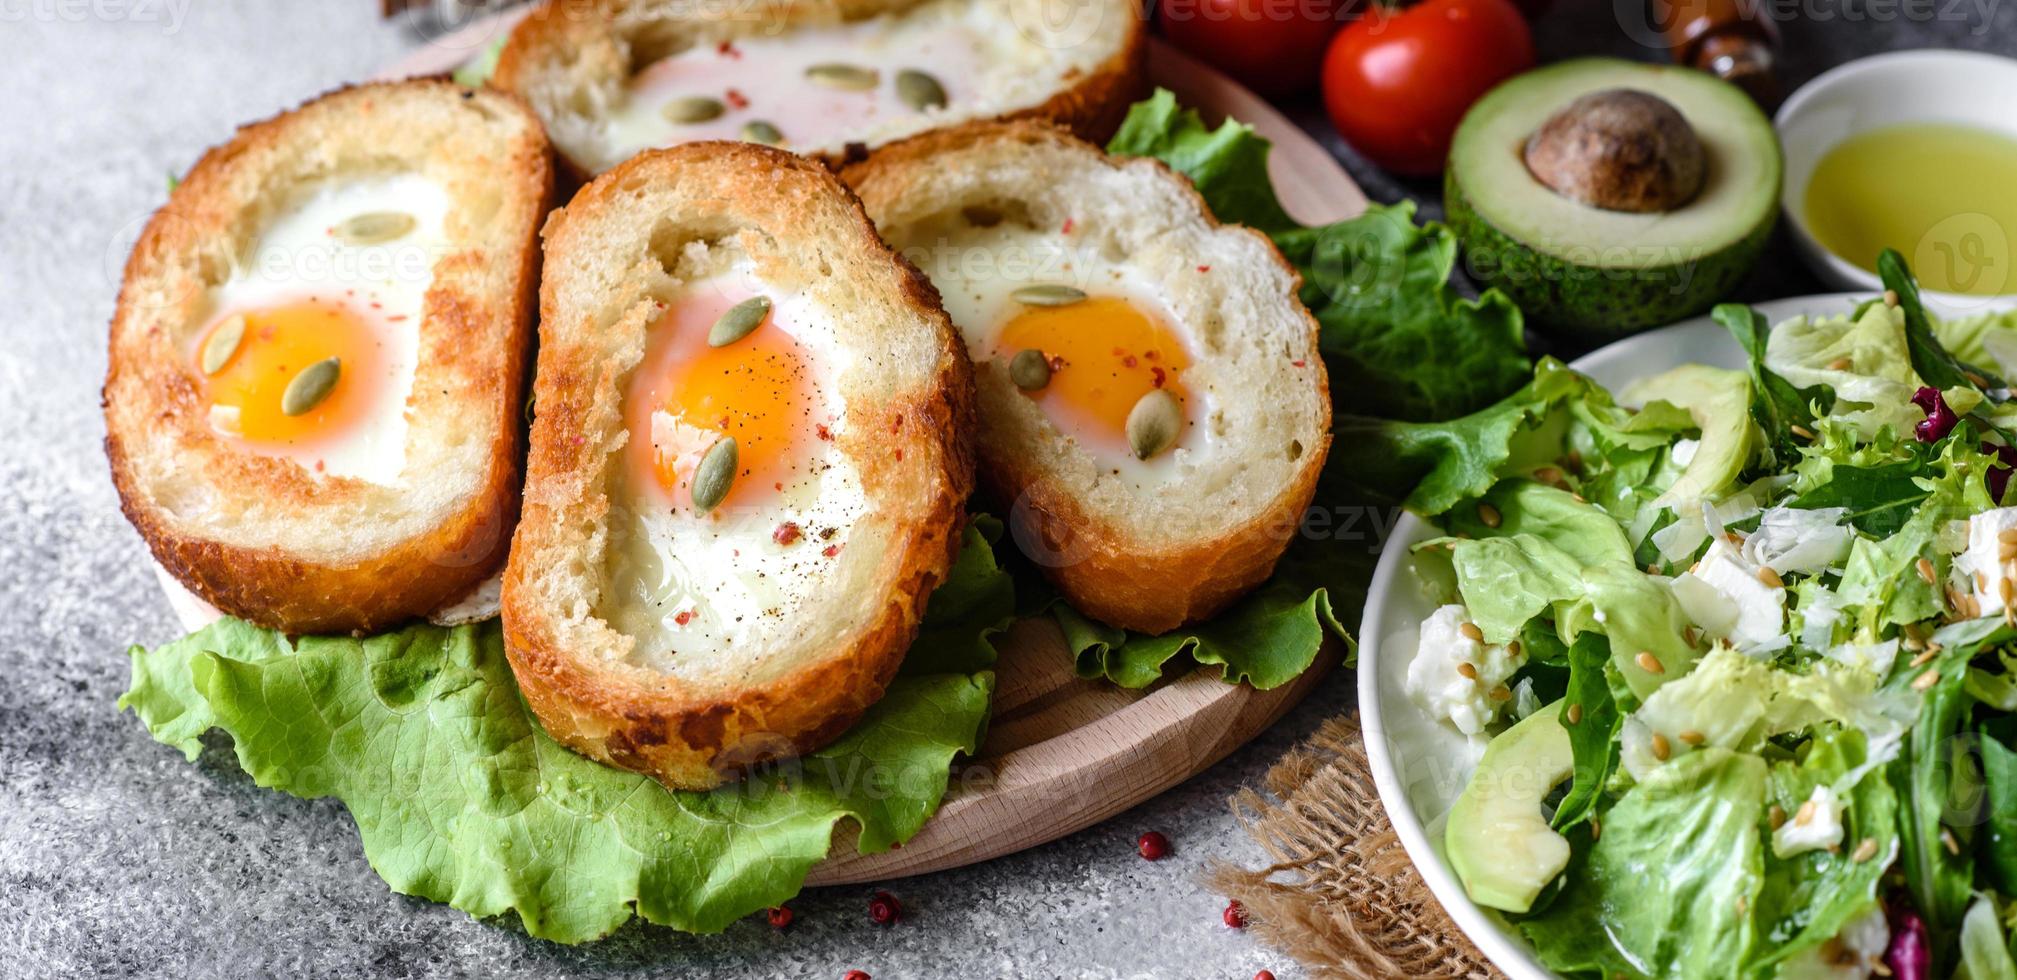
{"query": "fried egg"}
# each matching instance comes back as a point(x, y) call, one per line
point(742, 568)
point(1105, 352)
point(333, 288)
point(817, 87)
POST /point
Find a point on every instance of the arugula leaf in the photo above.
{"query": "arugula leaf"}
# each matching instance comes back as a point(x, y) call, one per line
point(1930, 359)
point(1662, 891)
point(1593, 737)
point(1999, 843)
point(1776, 405)
point(1924, 776)
point(460, 797)
point(1880, 499)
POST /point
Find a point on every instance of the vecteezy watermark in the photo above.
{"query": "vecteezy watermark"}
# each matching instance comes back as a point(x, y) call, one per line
point(1042, 261)
point(1277, 11)
point(1966, 253)
point(169, 14)
point(1644, 21)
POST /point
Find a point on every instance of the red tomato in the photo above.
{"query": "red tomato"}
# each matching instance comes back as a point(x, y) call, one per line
point(1272, 46)
point(1397, 82)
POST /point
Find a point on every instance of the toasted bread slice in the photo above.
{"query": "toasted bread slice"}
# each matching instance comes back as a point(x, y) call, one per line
point(687, 625)
point(1174, 304)
point(828, 77)
point(390, 229)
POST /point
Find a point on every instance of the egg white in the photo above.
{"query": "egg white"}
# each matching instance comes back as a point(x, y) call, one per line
point(738, 587)
point(297, 256)
point(977, 51)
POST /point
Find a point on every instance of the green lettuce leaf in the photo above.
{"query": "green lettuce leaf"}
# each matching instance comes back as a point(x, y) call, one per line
point(1507, 581)
point(1985, 954)
point(1228, 165)
point(1999, 843)
point(476, 71)
point(1663, 892)
point(460, 797)
point(1586, 533)
point(1810, 897)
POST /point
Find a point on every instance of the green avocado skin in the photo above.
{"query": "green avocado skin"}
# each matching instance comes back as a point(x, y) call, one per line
point(1590, 301)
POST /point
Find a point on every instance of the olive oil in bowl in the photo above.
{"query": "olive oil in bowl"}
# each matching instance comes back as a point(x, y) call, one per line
point(1943, 194)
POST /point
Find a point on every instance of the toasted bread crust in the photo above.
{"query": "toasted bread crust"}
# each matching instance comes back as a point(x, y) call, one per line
point(474, 332)
point(1105, 571)
point(565, 35)
point(569, 663)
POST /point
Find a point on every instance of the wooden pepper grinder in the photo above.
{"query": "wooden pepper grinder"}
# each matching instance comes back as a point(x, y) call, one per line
point(1728, 39)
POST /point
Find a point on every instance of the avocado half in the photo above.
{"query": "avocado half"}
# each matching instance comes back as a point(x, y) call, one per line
point(1595, 271)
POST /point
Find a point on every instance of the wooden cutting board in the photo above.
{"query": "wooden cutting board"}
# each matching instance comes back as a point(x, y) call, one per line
point(1064, 753)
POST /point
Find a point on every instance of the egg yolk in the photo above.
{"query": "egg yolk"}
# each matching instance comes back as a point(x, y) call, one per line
point(278, 342)
point(1105, 354)
point(686, 396)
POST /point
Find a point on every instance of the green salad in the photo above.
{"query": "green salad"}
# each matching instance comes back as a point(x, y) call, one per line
point(1737, 648)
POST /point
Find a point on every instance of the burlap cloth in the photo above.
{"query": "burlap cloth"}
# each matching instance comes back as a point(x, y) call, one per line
point(1342, 895)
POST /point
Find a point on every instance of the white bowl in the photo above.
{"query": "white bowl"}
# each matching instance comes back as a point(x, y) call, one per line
point(1964, 87)
point(1419, 764)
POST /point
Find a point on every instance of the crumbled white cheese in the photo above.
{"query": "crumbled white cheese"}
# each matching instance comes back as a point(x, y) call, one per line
point(1790, 539)
point(1985, 571)
point(1437, 677)
point(1683, 451)
point(1855, 953)
point(1815, 825)
point(1723, 594)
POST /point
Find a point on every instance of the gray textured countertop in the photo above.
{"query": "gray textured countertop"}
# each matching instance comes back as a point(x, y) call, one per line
point(118, 858)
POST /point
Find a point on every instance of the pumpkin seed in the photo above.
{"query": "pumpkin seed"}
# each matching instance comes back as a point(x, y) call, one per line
point(1153, 423)
point(374, 227)
point(311, 387)
point(758, 131)
point(1048, 294)
point(223, 343)
point(714, 475)
point(692, 109)
point(919, 90)
point(850, 78)
point(1030, 370)
point(737, 323)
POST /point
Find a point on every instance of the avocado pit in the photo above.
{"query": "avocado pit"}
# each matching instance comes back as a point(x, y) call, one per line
point(1619, 149)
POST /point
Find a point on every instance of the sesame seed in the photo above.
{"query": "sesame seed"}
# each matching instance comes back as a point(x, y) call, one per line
point(1926, 680)
point(1777, 816)
point(1501, 693)
point(1574, 714)
point(1691, 635)
point(1469, 672)
point(1661, 750)
point(1926, 570)
point(1734, 538)
point(1770, 577)
point(1472, 632)
point(1488, 515)
point(1743, 904)
point(1649, 663)
point(1975, 379)
point(1947, 841)
point(1577, 497)
point(1549, 475)
point(1839, 364)
point(1865, 851)
point(1692, 737)
point(1802, 431)
point(1596, 828)
point(1512, 648)
point(1924, 658)
point(1890, 297)
point(1805, 815)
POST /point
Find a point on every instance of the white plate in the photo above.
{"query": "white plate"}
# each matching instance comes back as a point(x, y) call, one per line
point(1420, 765)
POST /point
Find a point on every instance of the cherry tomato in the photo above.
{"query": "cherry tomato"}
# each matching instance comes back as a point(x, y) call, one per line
point(1272, 46)
point(1397, 82)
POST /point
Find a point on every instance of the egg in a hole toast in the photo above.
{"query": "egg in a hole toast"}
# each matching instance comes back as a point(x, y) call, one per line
point(749, 464)
point(313, 400)
point(1153, 407)
point(819, 77)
